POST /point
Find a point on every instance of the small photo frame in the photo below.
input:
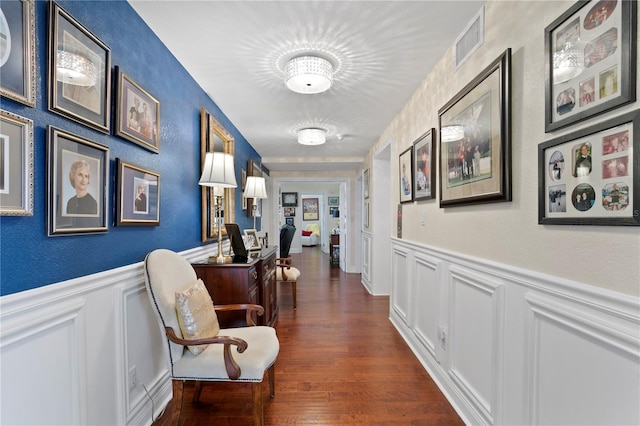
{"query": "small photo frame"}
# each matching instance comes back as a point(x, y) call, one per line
point(137, 113)
point(310, 209)
point(137, 195)
point(18, 58)
point(424, 170)
point(77, 184)
point(16, 165)
point(251, 240)
point(365, 183)
point(406, 175)
point(289, 211)
point(590, 177)
point(289, 221)
point(289, 199)
point(333, 201)
point(85, 98)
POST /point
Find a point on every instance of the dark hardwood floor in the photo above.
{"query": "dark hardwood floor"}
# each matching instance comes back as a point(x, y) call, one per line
point(341, 362)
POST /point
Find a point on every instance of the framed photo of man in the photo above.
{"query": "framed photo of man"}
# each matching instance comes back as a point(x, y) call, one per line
point(424, 174)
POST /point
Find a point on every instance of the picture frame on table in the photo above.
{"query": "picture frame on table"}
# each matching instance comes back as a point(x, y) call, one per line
point(289, 199)
point(77, 184)
point(252, 242)
point(310, 209)
point(137, 113)
point(590, 61)
point(591, 176)
point(18, 59)
point(365, 183)
point(85, 98)
point(424, 166)
point(333, 201)
point(405, 175)
point(475, 139)
point(137, 195)
point(16, 165)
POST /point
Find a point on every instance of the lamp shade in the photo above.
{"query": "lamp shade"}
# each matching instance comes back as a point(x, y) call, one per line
point(255, 188)
point(218, 170)
point(308, 74)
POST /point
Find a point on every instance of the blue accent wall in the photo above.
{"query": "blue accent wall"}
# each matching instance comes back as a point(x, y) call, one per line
point(30, 259)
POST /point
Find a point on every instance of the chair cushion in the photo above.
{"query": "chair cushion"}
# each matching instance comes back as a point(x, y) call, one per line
point(292, 274)
point(261, 353)
point(196, 314)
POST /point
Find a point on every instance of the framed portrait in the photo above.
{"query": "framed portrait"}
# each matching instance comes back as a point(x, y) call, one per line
point(289, 199)
point(424, 170)
point(289, 221)
point(137, 195)
point(475, 139)
point(590, 61)
point(590, 177)
point(310, 209)
point(137, 113)
point(289, 211)
point(365, 184)
point(16, 165)
point(77, 184)
point(406, 175)
point(79, 74)
point(17, 56)
point(333, 201)
point(252, 242)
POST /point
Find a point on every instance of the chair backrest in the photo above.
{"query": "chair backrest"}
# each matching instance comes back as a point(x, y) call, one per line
point(166, 272)
point(286, 235)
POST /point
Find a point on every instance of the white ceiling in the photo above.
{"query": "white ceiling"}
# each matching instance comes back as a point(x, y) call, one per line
point(381, 52)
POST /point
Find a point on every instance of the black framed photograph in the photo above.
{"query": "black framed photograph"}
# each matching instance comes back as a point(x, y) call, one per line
point(333, 201)
point(405, 169)
point(17, 55)
point(289, 211)
point(590, 177)
point(475, 139)
point(289, 221)
point(424, 170)
point(137, 195)
point(77, 184)
point(137, 113)
point(252, 242)
point(289, 199)
point(590, 61)
point(365, 183)
point(79, 75)
point(16, 165)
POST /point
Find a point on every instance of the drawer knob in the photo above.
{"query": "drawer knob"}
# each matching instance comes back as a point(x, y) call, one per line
point(254, 275)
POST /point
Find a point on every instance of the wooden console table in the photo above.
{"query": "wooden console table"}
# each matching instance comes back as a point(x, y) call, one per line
point(250, 282)
point(334, 248)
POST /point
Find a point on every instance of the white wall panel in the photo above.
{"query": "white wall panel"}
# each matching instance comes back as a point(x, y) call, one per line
point(426, 303)
point(401, 293)
point(366, 261)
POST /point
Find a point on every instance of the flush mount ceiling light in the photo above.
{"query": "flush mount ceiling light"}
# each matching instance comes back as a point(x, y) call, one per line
point(308, 74)
point(76, 69)
point(312, 136)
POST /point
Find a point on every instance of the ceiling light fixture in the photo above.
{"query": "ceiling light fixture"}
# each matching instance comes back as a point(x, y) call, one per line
point(76, 69)
point(308, 74)
point(312, 136)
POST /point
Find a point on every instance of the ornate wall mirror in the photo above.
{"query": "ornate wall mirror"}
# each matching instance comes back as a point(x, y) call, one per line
point(214, 138)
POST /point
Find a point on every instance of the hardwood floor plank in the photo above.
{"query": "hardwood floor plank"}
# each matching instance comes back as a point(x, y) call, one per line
point(341, 362)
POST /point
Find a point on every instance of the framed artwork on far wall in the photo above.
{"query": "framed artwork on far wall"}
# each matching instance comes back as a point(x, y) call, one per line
point(424, 170)
point(18, 56)
point(137, 113)
point(137, 195)
point(405, 169)
point(333, 201)
point(365, 183)
point(289, 199)
point(475, 139)
point(310, 209)
point(590, 61)
point(16, 165)
point(84, 97)
point(591, 176)
point(77, 184)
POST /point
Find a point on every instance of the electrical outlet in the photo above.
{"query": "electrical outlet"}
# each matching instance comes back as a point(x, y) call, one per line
point(423, 218)
point(442, 336)
point(133, 377)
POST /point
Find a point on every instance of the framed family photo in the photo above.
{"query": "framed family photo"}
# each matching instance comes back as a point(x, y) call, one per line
point(17, 56)
point(77, 184)
point(405, 169)
point(252, 241)
point(137, 113)
point(590, 177)
point(475, 139)
point(590, 61)
point(137, 195)
point(424, 170)
point(79, 74)
point(16, 165)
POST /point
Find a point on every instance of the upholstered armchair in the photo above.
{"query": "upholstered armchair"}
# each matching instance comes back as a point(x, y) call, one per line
point(311, 235)
point(196, 348)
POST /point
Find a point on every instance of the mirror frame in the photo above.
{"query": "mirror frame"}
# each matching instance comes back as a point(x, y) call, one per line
point(210, 130)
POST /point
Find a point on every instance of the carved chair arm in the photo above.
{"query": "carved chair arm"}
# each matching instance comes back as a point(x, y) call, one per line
point(247, 307)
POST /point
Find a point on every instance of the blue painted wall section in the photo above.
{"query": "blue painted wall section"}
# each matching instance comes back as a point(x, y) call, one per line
point(30, 259)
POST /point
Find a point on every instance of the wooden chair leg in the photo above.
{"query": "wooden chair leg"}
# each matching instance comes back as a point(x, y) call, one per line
point(256, 392)
point(293, 290)
point(178, 390)
point(272, 380)
point(197, 391)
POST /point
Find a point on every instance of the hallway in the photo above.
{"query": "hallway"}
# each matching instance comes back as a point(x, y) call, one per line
point(341, 362)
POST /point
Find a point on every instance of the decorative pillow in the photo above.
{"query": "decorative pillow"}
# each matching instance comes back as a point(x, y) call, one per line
point(196, 314)
point(306, 233)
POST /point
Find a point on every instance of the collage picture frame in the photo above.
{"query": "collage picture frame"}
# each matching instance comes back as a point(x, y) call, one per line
point(310, 209)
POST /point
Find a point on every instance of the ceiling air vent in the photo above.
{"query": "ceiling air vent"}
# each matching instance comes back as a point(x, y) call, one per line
point(471, 38)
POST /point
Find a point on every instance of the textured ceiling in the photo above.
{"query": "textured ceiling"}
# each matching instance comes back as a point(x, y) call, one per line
point(381, 52)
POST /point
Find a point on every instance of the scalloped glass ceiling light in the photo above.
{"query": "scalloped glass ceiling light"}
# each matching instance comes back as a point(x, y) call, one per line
point(312, 136)
point(308, 74)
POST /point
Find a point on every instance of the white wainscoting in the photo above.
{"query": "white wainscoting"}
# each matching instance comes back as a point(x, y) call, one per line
point(514, 347)
point(365, 278)
point(67, 350)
